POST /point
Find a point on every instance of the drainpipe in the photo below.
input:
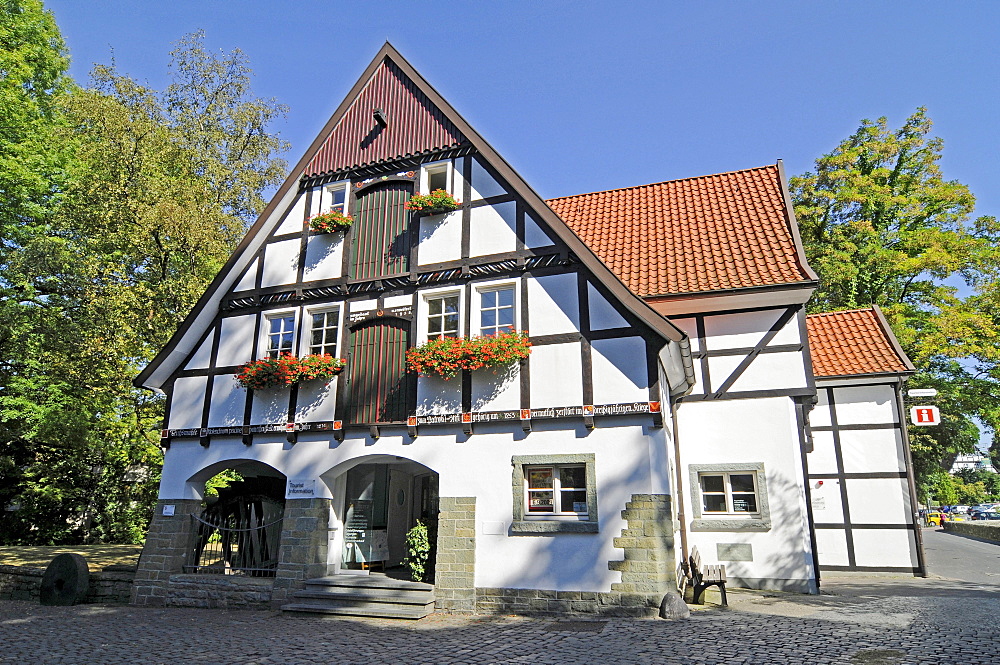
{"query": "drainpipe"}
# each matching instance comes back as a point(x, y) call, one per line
point(805, 447)
point(680, 484)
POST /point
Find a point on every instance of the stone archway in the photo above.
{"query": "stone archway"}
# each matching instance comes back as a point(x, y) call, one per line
point(172, 537)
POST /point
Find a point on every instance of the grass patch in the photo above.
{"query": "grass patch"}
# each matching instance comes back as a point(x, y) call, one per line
point(97, 556)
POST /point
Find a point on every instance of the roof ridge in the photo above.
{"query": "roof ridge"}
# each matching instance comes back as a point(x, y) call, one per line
point(844, 311)
point(664, 182)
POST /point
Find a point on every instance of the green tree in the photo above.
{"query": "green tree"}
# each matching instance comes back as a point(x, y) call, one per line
point(882, 226)
point(143, 218)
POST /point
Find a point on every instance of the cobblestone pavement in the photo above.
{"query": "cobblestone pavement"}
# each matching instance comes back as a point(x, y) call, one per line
point(887, 622)
point(877, 621)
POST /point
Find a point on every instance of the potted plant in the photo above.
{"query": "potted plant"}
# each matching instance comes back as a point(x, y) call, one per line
point(286, 370)
point(269, 373)
point(447, 356)
point(434, 203)
point(320, 367)
point(330, 222)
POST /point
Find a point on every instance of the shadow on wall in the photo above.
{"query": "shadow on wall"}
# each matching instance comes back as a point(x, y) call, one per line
point(562, 291)
point(788, 549)
point(312, 396)
point(319, 249)
point(579, 562)
point(491, 384)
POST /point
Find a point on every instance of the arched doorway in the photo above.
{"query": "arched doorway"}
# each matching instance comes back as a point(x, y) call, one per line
point(379, 500)
point(238, 530)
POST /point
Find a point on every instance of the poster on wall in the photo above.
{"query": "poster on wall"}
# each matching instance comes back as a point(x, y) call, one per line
point(359, 520)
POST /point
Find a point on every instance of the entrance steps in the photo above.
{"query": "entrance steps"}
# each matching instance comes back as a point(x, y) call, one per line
point(364, 596)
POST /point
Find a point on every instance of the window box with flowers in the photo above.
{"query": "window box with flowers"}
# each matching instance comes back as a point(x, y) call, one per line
point(435, 203)
point(286, 370)
point(447, 356)
point(330, 222)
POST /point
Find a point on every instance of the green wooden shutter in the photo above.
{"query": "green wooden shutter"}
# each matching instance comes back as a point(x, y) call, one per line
point(381, 244)
point(379, 387)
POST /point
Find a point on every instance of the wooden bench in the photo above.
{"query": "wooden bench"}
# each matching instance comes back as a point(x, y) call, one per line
point(701, 577)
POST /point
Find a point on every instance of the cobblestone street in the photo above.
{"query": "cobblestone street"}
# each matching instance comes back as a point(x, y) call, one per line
point(879, 621)
point(922, 621)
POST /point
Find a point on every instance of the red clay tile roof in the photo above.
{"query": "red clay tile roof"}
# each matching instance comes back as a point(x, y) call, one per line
point(724, 231)
point(853, 342)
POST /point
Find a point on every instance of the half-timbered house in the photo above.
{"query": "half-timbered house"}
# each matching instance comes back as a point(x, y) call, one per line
point(663, 404)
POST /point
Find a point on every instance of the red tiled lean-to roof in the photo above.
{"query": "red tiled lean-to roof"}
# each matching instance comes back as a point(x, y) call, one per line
point(854, 342)
point(716, 232)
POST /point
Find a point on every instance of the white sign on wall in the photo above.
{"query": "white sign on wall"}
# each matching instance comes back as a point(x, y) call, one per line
point(300, 488)
point(925, 415)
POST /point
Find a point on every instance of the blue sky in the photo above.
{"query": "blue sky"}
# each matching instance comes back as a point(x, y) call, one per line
point(582, 96)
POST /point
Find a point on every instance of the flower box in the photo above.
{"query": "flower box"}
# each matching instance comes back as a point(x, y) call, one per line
point(287, 370)
point(447, 356)
point(330, 222)
point(435, 203)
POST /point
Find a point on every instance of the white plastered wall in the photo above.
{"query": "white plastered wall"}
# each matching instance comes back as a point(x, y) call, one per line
point(752, 431)
point(478, 466)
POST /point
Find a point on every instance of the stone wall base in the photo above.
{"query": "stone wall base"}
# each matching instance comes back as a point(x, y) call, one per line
point(567, 603)
point(107, 587)
point(227, 592)
point(984, 529)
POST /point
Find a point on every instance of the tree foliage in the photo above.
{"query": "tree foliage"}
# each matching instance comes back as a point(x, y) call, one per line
point(99, 269)
point(882, 226)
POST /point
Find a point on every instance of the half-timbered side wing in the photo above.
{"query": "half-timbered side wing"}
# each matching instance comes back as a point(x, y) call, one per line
point(860, 474)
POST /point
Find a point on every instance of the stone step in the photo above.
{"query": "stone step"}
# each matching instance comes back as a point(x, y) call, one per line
point(377, 610)
point(368, 582)
point(315, 595)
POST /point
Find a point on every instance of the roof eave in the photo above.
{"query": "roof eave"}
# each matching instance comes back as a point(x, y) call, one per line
point(792, 222)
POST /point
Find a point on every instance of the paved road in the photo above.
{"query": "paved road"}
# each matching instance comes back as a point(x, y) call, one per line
point(961, 558)
point(885, 621)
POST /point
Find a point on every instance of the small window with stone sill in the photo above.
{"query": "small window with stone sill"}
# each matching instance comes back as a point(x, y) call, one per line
point(554, 493)
point(729, 497)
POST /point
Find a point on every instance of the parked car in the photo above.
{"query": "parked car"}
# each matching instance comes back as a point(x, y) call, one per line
point(987, 515)
point(934, 518)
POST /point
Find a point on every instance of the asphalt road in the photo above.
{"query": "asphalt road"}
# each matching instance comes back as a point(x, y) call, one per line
point(961, 558)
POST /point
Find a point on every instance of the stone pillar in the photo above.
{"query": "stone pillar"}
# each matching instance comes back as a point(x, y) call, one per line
point(649, 566)
point(455, 572)
point(168, 544)
point(304, 544)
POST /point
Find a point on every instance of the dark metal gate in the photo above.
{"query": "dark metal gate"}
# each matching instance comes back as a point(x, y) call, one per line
point(379, 387)
point(240, 536)
point(381, 243)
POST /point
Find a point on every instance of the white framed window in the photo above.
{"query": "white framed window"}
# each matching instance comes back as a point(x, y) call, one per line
point(497, 312)
point(437, 175)
point(324, 331)
point(554, 493)
point(729, 497)
point(559, 489)
point(279, 334)
point(442, 315)
point(729, 493)
point(334, 197)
